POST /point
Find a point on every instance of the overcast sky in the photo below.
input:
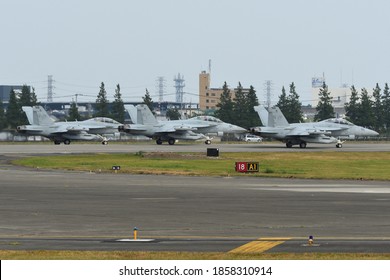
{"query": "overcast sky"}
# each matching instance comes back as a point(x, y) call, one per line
point(85, 42)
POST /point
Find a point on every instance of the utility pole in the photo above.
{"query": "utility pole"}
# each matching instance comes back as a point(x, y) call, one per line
point(268, 91)
point(160, 86)
point(50, 88)
point(179, 85)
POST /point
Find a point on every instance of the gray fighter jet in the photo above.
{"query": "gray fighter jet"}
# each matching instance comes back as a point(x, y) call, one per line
point(42, 125)
point(327, 131)
point(196, 128)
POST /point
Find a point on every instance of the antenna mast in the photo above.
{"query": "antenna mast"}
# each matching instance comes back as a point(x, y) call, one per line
point(268, 91)
point(179, 85)
point(50, 88)
point(160, 85)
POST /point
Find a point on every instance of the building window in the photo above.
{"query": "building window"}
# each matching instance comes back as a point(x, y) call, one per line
point(207, 101)
point(213, 94)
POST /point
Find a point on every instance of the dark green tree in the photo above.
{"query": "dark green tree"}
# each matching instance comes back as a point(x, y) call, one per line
point(377, 108)
point(102, 103)
point(294, 111)
point(283, 102)
point(74, 112)
point(26, 97)
point(148, 101)
point(225, 106)
point(118, 107)
point(324, 107)
point(173, 114)
point(352, 107)
point(253, 117)
point(3, 121)
point(14, 114)
point(240, 107)
point(386, 108)
point(366, 113)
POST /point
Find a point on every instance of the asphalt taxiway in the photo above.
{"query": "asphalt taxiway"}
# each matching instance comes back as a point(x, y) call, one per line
point(150, 146)
point(91, 211)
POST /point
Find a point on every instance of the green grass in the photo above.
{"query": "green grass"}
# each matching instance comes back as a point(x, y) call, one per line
point(316, 165)
point(125, 255)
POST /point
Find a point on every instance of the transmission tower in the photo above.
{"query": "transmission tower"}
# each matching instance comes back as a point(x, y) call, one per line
point(179, 85)
point(160, 87)
point(268, 91)
point(50, 88)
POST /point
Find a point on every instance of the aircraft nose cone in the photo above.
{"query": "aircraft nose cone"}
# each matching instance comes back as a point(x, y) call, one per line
point(370, 132)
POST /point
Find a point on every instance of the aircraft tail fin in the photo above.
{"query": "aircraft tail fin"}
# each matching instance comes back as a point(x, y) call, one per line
point(144, 115)
point(132, 110)
point(36, 115)
point(29, 113)
point(276, 117)
point(263, 114)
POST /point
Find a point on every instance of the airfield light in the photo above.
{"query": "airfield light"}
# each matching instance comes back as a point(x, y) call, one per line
point(311, 240)
point(135, 231)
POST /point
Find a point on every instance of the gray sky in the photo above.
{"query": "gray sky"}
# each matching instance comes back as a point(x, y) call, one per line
point(85, 42)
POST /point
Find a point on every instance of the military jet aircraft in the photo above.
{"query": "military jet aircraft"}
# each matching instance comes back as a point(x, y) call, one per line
point(42, 125)
point(327, 131)
point(196, 128)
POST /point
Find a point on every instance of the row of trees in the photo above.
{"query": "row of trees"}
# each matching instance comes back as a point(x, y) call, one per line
point(368, 111)
point(14, 115)
point(103, 108)
point(371, 111)
point(362, 109)
point(238, 110)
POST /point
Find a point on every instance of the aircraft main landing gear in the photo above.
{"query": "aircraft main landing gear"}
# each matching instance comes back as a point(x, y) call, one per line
point(339, 143)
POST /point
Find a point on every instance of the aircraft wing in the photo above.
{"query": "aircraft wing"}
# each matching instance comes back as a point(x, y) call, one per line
point(184, 128)
point(72, 129)
point(303, 131)
point(174, 128)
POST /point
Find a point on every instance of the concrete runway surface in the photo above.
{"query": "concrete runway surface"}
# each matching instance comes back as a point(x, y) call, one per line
point(87, 211)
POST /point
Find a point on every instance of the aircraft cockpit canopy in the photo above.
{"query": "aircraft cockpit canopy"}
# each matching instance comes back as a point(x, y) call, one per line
point(207, 119)
point(105, 120)
point(339, 121)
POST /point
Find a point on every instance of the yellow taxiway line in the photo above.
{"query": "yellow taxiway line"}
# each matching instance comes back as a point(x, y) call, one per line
point(259, 246)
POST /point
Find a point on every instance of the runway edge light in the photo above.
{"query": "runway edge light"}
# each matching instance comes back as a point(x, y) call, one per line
point(311, 240)
point(135, 233)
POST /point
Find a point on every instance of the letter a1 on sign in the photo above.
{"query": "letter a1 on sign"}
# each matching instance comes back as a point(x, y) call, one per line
point(245, 167)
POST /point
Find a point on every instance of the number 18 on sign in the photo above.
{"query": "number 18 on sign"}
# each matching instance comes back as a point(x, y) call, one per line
point(245, 167)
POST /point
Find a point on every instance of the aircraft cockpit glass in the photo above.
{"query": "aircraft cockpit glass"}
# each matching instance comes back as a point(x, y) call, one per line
point(339, 121)
point(105, 120)
point(208, 119)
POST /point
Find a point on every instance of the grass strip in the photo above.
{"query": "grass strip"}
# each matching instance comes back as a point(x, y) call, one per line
point(121, 255)
point(307, 165)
